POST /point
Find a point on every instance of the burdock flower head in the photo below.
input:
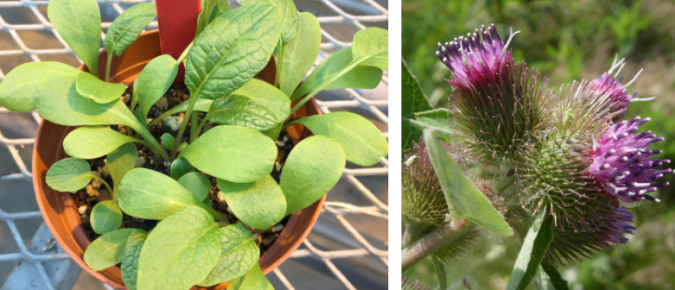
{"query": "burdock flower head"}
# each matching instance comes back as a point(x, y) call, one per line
point(621, 161)
point(497, 103)
point(423, 198)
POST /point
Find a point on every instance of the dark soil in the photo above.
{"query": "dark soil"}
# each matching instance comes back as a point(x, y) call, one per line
point(95, 191)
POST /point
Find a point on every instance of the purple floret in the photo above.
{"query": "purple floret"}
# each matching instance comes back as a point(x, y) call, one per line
point(476, 59)
point(618, 96)
point(621, 162)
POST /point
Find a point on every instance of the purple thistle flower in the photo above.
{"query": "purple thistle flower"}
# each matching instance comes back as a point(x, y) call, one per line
point(476, 59)
point(616, 92)
point(621, 162)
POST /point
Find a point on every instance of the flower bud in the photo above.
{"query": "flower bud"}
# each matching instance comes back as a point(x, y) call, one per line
point(423, 199)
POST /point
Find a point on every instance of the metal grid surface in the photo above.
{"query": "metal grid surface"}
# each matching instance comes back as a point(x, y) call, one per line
point(359, 248)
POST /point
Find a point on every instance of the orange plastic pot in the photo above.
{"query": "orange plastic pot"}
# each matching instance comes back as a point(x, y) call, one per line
point(60, 212)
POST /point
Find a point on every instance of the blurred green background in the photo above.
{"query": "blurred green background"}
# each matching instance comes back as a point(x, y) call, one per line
point(565, 41)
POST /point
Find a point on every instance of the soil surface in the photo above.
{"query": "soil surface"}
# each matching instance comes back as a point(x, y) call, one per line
point(85, 199)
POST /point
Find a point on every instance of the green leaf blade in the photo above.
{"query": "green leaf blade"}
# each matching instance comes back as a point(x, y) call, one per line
point(79, 24)
point(462, 197)
point(237, 154)
point(241, 111)
point(101, 92)
point(180, 252)
point(147, 194)
point(312, 168)
point(232, 50)
point(198, 184)
point(69, 174)
point(300, 53)
point(154, 80)
point(371, 47)
point(106, 216)
point(132, 254)
point(254, 279)
point(19, 87)
point(532, 253)
point(180, 167)
point(126, 28)
point(108, 250)
point(260, 204)
point(239, 255)
point(267, 95)
point(91, 142)
point(120, 162)
point(413, 100)
point(211, 9)
point(362, 142)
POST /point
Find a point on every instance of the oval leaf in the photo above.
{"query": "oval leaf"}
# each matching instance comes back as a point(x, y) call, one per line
point(91, 142)
point(180, 167)
point(153, 81)
point(120, 162)
point(180, 252)
point(147, 194)
point(268, 96)
point(59, 102)
point(531, 253)
point(211, 9)
point(241, 111)
point(362, 142)
point(259, 204)
point(371, 48)
point(337, 72)
point(289, 16)
point(232, 50)
point(97, 90)
point(299, 54)
point(238, 256)
point(108, 249)
point(130, 262)
point(198, 184)
point(19, 87)
point(313, 167)
point(127, 27)
point(236, 154)
point(462, 197)
point(106, 216)
point(69, 175)
point(79, 24)
point(254, 279)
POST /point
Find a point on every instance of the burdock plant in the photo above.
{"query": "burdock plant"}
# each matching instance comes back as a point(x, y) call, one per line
point(563, 163)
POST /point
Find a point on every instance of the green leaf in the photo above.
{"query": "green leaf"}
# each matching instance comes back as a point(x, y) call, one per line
point(153, 81)
point(289, 16)
point(552, 277)
point(371, 47)
point(413, 100)
point(238, 256)
point(120, 162)
point(180, 252)
point(127, 27)
point(108, 249)
point(312, 168)
point(211, 9)
point(300, 53)
point(241, 111)
point(91, 142)
point(532, 252)
point(19, 87)
point(434, 119)
point(168, 140)
point(232, 50)
point(132, 254)
point(69, 174)
point(180, 167)
point(268, 96)
point(260, 204)
point(60, 103)
point(201, 105)
point(198, 184)
point(338, 72)
point(254, 279)
point(236, 154)
point(106, 216)
point(79, 24)
point(440, 272)
point(362, 142)
point(148, 194)
point(462, 197)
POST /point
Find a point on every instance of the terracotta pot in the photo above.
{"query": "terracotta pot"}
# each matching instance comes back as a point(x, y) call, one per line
point(60, 212)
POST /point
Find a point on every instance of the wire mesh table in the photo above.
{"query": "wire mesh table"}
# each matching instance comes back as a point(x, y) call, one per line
point(347, 247)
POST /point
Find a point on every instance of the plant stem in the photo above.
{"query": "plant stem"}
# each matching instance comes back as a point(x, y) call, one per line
point(194, 120)
point(199, 129)
point(413, 233)
point(323, 85)
point(152, 143)
point(426, 246)
point(184, 54)
point(113, 194)
point(107, 67)
point(183, 125)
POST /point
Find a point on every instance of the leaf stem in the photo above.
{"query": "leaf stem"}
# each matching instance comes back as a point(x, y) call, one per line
point(199, 129)
point(184, 54)
point(107, 67)
point(323, 85)
point(194, 120)
point(279, 59)
point(113, 194)
point(183, 125)
point(152, 143)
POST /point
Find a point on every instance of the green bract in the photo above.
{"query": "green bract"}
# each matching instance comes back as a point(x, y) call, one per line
point(176, 158)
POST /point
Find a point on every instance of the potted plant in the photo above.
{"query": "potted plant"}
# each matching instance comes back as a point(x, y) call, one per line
point(186, 185)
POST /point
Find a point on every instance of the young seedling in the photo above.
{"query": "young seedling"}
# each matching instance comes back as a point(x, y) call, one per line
point(234, 121)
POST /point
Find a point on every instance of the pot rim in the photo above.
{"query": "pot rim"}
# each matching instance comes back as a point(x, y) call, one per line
point(312, 212)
